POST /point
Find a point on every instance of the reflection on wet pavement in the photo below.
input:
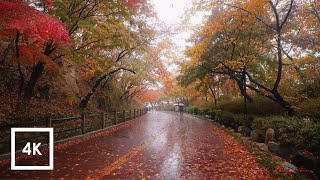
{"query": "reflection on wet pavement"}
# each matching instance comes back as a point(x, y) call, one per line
point(159, 145)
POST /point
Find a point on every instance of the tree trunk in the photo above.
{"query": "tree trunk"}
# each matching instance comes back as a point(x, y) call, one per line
point(213, 92)
point(21, 75)
point(284, 103)
point(35, 76)
point(36, 73)
point(84, 102)
point(245, 107)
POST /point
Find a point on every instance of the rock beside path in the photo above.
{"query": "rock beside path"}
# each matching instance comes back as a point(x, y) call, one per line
point(273, 146)
point(262, 146)
point(289, 167)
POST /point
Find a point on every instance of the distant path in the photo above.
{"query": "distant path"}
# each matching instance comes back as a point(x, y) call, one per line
point(158, 145)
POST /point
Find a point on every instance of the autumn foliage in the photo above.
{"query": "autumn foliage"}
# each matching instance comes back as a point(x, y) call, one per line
point(35, 28)
point(260, 47)
point(80, 51)
point(151, 95)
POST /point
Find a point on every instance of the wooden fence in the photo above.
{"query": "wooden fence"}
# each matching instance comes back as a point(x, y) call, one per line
point(66, 127)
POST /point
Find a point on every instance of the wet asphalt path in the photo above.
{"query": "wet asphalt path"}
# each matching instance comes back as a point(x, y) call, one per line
point(158, 145)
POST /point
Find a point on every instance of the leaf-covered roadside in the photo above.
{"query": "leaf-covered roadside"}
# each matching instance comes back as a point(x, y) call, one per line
point(268, 160)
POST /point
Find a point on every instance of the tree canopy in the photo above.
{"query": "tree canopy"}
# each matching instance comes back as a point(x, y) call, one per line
point(254, 43)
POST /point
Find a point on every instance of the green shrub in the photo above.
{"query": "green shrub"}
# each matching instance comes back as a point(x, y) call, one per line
point(260, 106)
point(205, 112)
point(223, 114)
point(234, 106)
point(168, 108)
point(293, 130)
point(275, 122)
point(192, 109)
point(309, 108)
point(212, 114)
point(240, 118)
point(315, 133)
point(248, 121)
point(196, 110)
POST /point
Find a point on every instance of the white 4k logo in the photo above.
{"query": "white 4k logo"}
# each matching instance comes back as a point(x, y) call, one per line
point(32, 148)
point(35, 150)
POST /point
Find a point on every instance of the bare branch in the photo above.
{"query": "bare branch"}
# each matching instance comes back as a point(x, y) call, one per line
point(274, 9)
point(87, 44)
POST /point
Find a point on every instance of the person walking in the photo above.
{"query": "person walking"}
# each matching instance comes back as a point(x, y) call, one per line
point(180, 110)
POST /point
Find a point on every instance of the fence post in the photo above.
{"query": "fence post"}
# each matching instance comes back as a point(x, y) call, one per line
point(49, 122)
point(130, 114)
point(134, 113)
point(115, 118)
point(140, 112)
point(103, 120)
point(124, 116)
point(83, 124)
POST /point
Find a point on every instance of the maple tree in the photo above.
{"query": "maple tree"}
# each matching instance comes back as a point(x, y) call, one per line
point(241, 40)
point(35, 34)
point(102, 35)
point(161, 81)
point(75, 52)
point(117, 39)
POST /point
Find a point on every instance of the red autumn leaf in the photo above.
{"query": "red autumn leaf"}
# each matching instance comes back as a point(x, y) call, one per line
point(35, 28)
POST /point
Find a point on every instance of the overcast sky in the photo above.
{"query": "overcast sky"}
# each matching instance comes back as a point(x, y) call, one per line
point(170, 12)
